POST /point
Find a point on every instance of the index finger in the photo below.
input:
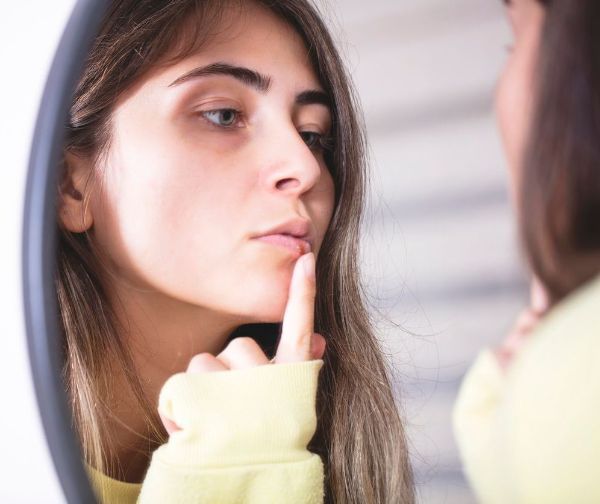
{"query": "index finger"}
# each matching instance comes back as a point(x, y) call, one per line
point(298, 319)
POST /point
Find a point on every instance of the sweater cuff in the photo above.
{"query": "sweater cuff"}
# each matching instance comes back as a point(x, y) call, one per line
point(259, 415)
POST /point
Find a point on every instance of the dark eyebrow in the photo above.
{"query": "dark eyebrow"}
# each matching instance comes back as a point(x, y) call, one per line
point(249, 77)
point(253, 79)
point(313, 97)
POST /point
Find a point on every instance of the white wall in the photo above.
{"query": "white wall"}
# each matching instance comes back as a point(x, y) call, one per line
point(29, 33)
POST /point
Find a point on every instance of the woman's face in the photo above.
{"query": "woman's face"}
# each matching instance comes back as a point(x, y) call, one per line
point(215, 181)
point(515, 92)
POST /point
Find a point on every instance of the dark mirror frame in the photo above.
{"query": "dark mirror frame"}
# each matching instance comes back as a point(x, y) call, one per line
point(39, 249)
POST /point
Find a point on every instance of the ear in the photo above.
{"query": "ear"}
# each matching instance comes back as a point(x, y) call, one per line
point(73, 209)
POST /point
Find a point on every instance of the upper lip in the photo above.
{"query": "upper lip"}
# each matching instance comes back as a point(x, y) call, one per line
point(298, 228)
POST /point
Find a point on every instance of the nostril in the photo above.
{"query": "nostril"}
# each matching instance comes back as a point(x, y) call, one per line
point(287, 183)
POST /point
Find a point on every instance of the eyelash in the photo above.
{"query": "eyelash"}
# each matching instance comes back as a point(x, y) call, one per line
point(320, 143)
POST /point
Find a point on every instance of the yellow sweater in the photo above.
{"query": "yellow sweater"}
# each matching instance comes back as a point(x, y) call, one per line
point(243, 440)
point(533, 435)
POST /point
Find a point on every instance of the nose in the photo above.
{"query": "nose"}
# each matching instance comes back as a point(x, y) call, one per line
point(291, 167)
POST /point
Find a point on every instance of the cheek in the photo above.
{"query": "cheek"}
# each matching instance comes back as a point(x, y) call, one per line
point(154, 214)
point(321, 206)
point(507, 111)
point(328, 195)
point(513, 105)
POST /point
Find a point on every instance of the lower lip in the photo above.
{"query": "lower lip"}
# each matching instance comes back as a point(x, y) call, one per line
point(295, 245)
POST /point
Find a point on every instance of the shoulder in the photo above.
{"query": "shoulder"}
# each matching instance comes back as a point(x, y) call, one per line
point(109, 490)
point(570, 334)
point(554, 400)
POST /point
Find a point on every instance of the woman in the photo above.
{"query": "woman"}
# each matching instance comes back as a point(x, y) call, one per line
point(527, 416)
point(213, 151)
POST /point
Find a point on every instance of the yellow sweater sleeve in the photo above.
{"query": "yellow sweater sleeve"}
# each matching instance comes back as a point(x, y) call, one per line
point(533, 435)
point(244, 438)
point(479, 430)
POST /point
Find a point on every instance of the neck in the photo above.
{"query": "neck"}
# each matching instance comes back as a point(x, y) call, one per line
point(162, 335)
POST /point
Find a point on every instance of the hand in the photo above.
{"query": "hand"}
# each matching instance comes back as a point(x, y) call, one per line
point(298, 341)
point(527, 320)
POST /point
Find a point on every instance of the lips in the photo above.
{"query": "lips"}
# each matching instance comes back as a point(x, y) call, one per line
point(293, 235)
point(293, 244)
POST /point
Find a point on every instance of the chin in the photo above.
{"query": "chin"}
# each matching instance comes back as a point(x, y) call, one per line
point(269, 308)
point(266, 301)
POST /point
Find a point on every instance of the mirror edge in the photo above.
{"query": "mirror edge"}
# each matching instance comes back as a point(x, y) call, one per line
point(39, 244)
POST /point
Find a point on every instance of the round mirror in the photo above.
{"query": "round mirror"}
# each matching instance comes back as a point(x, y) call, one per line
point(419, 246)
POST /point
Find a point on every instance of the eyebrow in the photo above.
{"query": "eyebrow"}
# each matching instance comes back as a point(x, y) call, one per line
point(249, 77)
point(252, 78)
point(313, 97)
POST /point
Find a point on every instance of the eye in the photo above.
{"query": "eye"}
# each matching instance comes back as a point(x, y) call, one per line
point(225, 118)
point(315, 141)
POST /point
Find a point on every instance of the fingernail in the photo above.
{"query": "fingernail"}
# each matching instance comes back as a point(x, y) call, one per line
point(309, 265)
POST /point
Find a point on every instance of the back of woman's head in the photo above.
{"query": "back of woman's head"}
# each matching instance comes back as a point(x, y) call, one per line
point(359, 436)
point(560, 197)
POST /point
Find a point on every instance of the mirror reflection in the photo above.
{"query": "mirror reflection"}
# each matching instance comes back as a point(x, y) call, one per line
point(209, 208)
point(225, 337)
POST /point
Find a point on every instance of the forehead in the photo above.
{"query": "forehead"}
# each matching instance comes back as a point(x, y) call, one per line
point(241, 34)
point(251, 35)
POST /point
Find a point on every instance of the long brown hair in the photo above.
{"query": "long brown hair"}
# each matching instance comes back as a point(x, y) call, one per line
point(560, 198)
point(360, 436)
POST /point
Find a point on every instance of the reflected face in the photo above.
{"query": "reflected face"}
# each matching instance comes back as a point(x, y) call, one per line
point(215, 180)
point(515, 92)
